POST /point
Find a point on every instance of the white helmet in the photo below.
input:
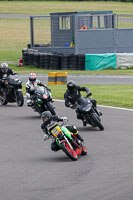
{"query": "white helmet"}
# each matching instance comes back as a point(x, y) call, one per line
point(4, 67)
point(32, 77)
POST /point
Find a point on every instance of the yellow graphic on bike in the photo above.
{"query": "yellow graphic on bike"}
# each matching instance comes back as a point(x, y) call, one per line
point(56, 131)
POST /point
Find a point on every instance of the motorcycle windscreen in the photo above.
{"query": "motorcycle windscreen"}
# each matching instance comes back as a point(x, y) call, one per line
point(87, 107)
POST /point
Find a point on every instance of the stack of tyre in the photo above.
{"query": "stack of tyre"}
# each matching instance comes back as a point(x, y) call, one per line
point(53, 61)
point(65, 61)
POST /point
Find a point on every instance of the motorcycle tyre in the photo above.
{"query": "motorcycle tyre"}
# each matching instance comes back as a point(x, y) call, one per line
point(97, 122)
point(51, 108)
point(3, 102)
point(73, 156)
point(20, 102)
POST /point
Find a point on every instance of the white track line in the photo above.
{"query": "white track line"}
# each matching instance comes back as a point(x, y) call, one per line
point(117, 108)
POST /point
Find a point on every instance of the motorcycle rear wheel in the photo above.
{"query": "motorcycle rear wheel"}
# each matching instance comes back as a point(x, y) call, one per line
point(97, 122)
point(69, 152)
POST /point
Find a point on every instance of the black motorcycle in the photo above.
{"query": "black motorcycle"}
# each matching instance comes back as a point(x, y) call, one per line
point(11, 91)
point(42, 101)
point(89, 112)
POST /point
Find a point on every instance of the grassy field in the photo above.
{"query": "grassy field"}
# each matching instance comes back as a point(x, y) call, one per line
point(28, 69)
point(46, 7)
point(15, 33)
point(110, 95)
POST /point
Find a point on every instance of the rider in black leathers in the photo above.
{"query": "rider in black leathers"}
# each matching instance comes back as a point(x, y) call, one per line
point(72, 94)
point(49, 122)
point(4, 70)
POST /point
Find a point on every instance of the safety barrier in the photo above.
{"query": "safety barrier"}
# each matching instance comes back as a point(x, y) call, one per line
point(61, 78)
point(87, 62)
point(57, 78)
point(51, 61)
point(52, 78)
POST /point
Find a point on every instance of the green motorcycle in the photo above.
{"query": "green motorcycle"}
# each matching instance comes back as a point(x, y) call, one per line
point(68, 142)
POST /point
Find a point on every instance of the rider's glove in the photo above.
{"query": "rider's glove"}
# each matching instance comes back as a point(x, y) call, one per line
point(73, 106)
point(89, 94)
point(64, 119)
point(45, 137)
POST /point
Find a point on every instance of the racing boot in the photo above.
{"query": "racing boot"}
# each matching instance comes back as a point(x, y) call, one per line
point(79, 136)
point(84, 123)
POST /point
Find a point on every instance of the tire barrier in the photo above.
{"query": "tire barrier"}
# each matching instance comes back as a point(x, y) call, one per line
point(65, 61)
point(52, 78)
point(59, 78)
point(47, 61)
point(55, 62)
point(73, 62)
point(81, 62)
point(42, 60)
point(37, 59)
point(51, 61)
point(31, 58)
point(25, 57)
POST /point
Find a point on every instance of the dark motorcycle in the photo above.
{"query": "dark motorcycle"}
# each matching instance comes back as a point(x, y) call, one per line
point(11, 91)
point(68, 142)
point(42, 101)
point(89, 112)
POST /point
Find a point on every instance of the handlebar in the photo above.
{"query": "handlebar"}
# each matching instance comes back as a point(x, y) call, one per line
point(74, 107)
point(88, 94)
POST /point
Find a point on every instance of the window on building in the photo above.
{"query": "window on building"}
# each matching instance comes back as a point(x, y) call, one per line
point(64, 22)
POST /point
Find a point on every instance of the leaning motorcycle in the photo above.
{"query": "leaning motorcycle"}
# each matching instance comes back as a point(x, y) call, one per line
point(68, 142)
point(89, 112)
point(42, 101)
point(12, 90)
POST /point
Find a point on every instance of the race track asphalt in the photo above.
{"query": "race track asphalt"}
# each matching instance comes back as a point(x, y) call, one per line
point(29, 170)
point(88, 79)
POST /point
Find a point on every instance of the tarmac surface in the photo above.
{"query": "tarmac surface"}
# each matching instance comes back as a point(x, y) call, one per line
point(89, 79)
point(29, 170)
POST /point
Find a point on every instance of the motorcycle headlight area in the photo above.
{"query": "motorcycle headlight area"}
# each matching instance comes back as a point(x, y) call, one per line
point(18, 81)
point(87, 108)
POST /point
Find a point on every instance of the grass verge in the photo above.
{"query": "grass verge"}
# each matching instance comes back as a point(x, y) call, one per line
point(109, 95)
point(29, 69)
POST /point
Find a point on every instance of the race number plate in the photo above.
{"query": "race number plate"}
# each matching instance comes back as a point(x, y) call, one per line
point(56, 131)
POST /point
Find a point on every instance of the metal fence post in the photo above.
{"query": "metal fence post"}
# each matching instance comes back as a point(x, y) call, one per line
point(76, 35)
point(32, 31)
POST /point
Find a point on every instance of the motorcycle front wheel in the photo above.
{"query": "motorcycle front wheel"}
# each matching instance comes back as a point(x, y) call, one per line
point(68, 151)
point(51, 108)
point(3, 100)
point(97, 122)
point(20, 99)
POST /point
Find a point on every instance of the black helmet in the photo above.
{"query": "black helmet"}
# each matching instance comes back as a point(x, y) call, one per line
point(71, 85)
point(46, 116)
